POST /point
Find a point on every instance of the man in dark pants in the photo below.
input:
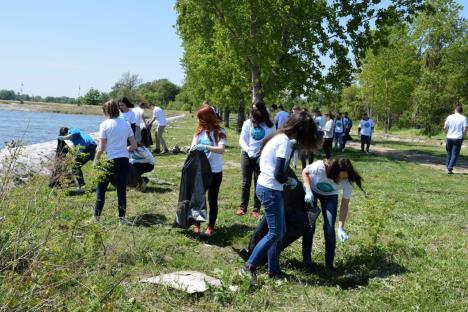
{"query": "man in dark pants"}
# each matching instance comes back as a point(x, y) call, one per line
point(365, 130)
point(456, 126)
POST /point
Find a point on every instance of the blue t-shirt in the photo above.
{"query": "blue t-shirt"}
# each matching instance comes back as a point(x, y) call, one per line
point(80, 138)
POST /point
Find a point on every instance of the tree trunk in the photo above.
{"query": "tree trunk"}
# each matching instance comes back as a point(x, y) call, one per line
point(226, 117)
point(240, 115)
point(256, 85)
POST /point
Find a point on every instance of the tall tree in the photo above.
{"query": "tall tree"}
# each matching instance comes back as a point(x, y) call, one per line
point(127, 86)
point(160, 91)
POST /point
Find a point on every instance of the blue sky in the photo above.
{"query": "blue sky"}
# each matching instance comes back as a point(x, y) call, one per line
point(54, 46)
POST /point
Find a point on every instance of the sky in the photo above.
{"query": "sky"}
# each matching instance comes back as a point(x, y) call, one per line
point(63, 47)
point(55, 47)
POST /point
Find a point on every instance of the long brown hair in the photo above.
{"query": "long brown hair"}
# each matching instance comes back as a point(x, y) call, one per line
point(111, 109)
point(300, 126)
point(207, 121)
point(334, 168)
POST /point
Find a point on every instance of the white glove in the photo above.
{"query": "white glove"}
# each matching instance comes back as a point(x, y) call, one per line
point(251, 153)
point(342, 235)
point(200, 147)
point(309, 197)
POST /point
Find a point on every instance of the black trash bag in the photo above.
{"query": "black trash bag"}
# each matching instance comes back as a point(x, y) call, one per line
point(297, 214)
point(60, 171)
point(194, 182)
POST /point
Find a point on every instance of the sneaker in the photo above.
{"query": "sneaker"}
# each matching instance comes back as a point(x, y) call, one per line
point(250, 274)
point(278, 275)
point(255, 214)
point(450, 172)
point(94, 219)
point(196, 229)
point(209, 231)
point(156, 151)
point(79, 190)
point(240, 212)
point(166, 151)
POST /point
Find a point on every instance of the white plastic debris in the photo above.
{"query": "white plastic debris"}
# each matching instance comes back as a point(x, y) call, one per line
point(188, 281)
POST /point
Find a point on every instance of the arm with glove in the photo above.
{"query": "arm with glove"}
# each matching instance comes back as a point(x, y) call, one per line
point(343, 214)
point(306, 177)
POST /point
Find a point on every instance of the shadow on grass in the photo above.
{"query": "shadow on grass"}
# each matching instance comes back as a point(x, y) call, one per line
point(355, 271)
point(223, 236)
point(148, 219)
point(157, 189)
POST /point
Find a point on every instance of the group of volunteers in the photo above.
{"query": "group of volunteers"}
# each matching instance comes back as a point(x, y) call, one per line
point(124, 137)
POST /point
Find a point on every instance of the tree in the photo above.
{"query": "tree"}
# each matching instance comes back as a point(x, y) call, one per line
point(159, 91)
point(8, 95)
point(92, 97)
point(127, 86)
point(273, 46)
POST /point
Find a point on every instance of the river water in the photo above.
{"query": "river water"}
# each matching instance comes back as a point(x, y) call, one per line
point(37, 127)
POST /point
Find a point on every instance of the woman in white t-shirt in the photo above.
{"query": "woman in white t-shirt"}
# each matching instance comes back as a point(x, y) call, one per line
point(113, 135)
point(254, 131)
point(211, 139)
point(300, 128)
point(126, 113)
point(323, 180)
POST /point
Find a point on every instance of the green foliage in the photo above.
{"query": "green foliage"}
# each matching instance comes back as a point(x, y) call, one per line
point(93, 97)
point(159, 92)
point(127, 86)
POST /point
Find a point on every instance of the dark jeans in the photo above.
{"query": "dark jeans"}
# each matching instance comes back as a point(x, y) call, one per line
point(249, 167)
point(453, 147)
point(119, 171)
point(329, 204)
point(143, 167)
point(270, 244)
point(365, 140)
point(347, 137)
point(86, 154)
point(338, 140)
point(213, 192)
point(307, 156)
point(327, 147)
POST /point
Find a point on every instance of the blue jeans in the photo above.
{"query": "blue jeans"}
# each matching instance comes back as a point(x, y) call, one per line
point(338, 136)
point(329, 204)
point(453, 147)
point(120, 171)
point(270, 244)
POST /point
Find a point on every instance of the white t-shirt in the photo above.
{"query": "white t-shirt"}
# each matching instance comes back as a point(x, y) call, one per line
point(328, 129)
point(159, 115)
point(215, 159)
point(366, 127)
point(281, 117)
point(139, 112)
point(141, 155)
point(278, 146)
point(456, 124)
point(251, 138)
point(128, 117)
point(323, 185)
point(116, 131)
point(320, 122)
point(339, 125)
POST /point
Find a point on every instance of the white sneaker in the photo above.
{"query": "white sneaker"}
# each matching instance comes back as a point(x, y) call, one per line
point(250, 274)
point(94, 219)
point(124, 221)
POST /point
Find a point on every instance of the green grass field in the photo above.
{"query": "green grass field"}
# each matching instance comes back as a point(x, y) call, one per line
point(407, 249)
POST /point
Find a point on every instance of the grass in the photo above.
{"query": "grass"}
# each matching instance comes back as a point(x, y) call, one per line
point(407, 247)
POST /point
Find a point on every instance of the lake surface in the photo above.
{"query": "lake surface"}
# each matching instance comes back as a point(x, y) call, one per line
point(37, 127)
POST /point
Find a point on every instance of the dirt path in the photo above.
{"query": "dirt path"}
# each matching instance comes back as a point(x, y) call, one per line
point(423, 159)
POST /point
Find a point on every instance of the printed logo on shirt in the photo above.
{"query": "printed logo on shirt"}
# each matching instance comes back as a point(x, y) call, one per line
point(205, 140)
point(257, 133)
point(325, 187)
point(367, 124)
point(338, 123)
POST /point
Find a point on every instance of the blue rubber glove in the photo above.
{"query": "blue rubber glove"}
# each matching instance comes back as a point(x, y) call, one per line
point(342, 235)
point(200, 147)
point(291, 184)
point(309, 197)
point(61, 138)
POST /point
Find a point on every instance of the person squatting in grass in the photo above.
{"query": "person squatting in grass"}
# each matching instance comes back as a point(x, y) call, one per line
point(113, 135)
point(322, 181)
point(87, 149)
point(254, 131)
point(456, 126)
point(274, 159)
point(210, 138)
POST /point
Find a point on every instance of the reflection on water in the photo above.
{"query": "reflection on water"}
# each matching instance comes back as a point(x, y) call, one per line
point(36, 127)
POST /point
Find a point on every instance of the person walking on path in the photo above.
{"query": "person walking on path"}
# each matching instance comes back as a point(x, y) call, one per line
point(160, 117)
point(126, 113)
point(365, 130)
point(87, 150)
point(113, 135)
point(299, 129)
point(254, 131)
point(348, 124)
point(328, 135)
point(211, 139)
point(322, 181)
point(456, 126)
point(281, 117)
point(339, 132)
